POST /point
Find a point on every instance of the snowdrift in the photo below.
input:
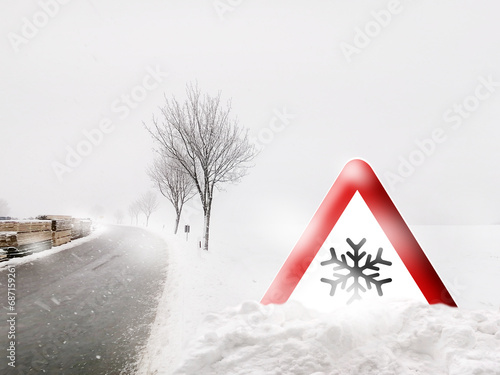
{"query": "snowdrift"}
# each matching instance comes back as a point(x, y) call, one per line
point(396, 338)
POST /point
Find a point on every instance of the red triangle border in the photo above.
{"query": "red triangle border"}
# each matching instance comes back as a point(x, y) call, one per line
point(357, 175)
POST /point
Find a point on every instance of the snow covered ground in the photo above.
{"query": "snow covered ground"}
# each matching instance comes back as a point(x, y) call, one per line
point(397, 338)
point(210, 322)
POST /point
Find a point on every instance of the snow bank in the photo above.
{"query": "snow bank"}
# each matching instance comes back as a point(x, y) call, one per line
point(395, 338)
point(392, 339)
point(165, 344)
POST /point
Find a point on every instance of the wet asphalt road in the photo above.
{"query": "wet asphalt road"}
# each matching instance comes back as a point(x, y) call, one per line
point(88, 309)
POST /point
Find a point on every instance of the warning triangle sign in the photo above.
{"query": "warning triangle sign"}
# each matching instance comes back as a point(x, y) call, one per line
point(356, 247)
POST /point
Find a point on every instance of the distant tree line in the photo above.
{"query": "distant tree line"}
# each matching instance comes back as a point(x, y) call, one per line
point(146, 204)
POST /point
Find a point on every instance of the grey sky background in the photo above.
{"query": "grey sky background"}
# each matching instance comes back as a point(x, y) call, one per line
point(266, 58)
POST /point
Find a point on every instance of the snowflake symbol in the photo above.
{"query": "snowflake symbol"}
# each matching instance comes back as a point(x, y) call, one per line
point(356, 271)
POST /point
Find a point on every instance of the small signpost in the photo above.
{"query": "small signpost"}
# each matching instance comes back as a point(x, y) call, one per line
point(187, 228)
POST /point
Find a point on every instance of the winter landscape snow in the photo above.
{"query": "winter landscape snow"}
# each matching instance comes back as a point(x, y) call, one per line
point(210, 321)
point(394, 338)
point(412, 87)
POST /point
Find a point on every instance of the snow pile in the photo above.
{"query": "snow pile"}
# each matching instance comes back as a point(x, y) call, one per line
point(165, 344)
point(395, 338)
point(289, 339)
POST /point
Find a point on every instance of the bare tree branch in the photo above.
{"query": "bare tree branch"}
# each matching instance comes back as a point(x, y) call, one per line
point(134, 211)
point(173, 183)
point(119, 215)
point(203, 141)
point(148, 203)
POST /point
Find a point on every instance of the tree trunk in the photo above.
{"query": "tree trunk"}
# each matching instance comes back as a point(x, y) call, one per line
point(207, 225)
point(147, 220)
point(178, 218)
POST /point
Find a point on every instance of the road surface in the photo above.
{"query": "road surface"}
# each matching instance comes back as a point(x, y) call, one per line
point(88, 309)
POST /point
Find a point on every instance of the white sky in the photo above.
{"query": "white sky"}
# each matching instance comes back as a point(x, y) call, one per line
point(265, 57)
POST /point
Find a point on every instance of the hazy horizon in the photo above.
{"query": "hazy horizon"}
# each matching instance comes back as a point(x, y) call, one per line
point(284, 68)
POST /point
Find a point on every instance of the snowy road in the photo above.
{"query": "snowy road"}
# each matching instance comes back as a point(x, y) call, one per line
point(88, 309)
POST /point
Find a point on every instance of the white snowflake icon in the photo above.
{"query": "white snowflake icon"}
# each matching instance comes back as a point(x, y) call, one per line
point(356, 271)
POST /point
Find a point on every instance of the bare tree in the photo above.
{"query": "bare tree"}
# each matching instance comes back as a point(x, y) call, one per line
point(134, 210)
point(173, 183)
point(119, 216)
point(201, 137)
point(4, 207)
point(148, 203)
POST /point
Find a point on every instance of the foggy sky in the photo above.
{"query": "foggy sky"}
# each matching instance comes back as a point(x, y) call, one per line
point(76, 73)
